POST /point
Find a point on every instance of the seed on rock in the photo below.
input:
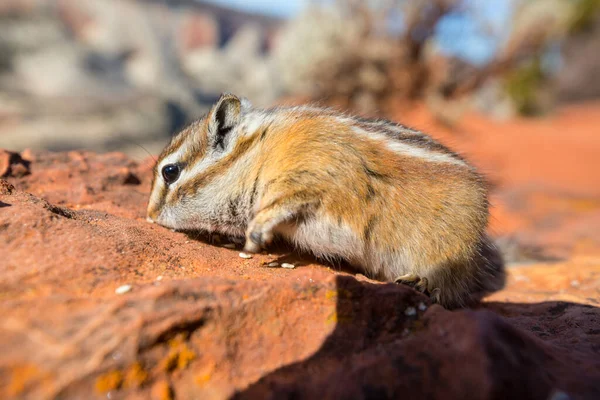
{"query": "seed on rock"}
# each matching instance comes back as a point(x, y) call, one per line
point(229, 246)
point(273, 264)
point(410, 311)
point(288, 266)
point(123, 289)
point(245, 255)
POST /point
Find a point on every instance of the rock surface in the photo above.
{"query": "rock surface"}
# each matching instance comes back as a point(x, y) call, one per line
point(12, 164)
point(98, 303)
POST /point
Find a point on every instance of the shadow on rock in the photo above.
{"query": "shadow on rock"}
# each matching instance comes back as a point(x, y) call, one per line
point(391, 344)
point(284, 252)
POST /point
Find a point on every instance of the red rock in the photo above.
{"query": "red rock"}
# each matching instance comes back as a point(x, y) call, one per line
point(17, 7)
point(200, 322)
point(74, 17)
point(5, 163)
point(28, 155)
point(197, 30)
point(11, 164)
point(461, 355)
point(5, 187)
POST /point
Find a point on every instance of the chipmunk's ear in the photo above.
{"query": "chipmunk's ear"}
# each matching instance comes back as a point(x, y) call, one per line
point(224, 116)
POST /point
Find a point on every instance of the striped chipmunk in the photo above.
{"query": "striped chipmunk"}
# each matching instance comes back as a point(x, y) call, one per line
point(388, 199)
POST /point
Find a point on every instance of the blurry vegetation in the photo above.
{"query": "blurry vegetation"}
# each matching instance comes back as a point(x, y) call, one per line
point(522, 85)
point(584, 15)
point(530, 84)
point(349, 57)
point(353, 54)
point(111, 74)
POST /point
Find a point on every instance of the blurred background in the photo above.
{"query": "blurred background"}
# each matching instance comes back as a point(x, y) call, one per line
point(116, 74)
point(511, 83)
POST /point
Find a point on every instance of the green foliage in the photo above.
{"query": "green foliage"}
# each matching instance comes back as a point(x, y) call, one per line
point(584, 14)
point(522, 86)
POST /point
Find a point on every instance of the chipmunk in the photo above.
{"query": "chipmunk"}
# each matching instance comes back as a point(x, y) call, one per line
point(388, 199)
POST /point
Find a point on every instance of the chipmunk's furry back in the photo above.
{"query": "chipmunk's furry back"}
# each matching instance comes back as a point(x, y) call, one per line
point(388, 199)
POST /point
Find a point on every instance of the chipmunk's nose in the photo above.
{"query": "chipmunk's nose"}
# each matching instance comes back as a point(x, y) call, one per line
point(152, 214)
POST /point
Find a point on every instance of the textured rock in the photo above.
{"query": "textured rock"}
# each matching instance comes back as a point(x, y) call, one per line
point(12, 164)
point(201, 322)
point(466, 354)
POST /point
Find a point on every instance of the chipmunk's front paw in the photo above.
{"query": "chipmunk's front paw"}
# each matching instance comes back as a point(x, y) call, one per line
point(257, 238)
point(420, 284)
point(414, 281)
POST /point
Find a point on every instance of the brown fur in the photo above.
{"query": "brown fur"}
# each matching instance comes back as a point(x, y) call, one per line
point(310, 165)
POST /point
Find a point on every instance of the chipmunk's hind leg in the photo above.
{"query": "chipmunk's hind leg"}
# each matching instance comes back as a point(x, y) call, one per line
point(420, 284)
point(262, 228)
point(464, 283)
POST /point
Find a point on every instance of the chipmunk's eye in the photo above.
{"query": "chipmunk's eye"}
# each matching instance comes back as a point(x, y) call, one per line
point(171, 173)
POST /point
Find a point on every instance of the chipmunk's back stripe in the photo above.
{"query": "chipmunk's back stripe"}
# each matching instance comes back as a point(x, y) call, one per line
point(379, 124)
point(424, 154)
point(426, 142)
point(408, 141)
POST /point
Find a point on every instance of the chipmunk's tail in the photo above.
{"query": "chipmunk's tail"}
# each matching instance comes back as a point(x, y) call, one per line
point(491, 276)
point(487, 275)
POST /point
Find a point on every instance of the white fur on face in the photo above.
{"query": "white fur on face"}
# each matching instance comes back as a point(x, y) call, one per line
point(208, 208)
point(208, 204)
point(159, 182)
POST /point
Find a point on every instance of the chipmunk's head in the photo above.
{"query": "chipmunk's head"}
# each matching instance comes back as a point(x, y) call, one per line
point(184, 195)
